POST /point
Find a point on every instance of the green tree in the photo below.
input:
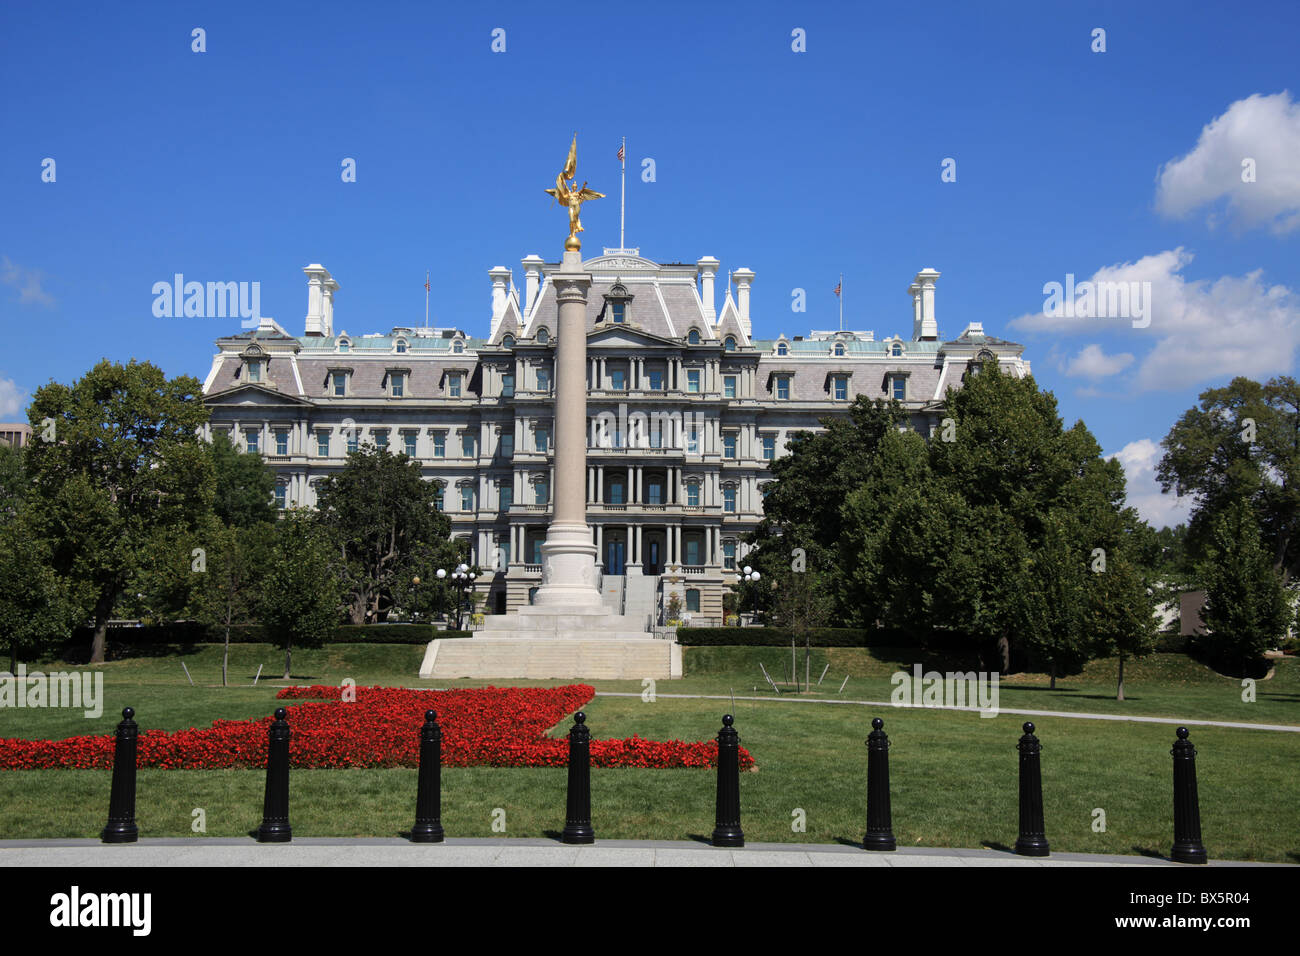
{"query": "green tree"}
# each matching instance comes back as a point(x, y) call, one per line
point(244, 485)
point(423, 594)
point(124, 470)
point(1246, 610)
point(13, 482)
point(229, 589)
point(38, 609)
point(1241, 442)
point(379, 511)
point(300, 596)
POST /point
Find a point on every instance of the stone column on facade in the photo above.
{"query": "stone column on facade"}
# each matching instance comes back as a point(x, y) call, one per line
point(568, 555)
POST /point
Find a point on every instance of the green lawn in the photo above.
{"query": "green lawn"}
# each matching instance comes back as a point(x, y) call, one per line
point(954, 774)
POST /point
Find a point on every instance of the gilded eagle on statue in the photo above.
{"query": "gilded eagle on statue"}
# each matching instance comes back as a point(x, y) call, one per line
point(566, 193)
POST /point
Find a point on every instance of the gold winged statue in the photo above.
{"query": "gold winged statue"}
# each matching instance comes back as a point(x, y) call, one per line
point(572, 196)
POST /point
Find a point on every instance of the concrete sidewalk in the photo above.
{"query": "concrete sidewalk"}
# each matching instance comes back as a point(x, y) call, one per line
point(202, 851)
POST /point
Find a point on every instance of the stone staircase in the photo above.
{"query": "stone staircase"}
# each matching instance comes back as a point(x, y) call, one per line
point(641, 598)
point(594, 659)
point(611, 592)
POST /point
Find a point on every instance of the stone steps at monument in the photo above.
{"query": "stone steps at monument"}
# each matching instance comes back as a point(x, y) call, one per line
point(552, 658)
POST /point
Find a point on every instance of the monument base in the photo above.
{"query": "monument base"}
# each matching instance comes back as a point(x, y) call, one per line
point(568, 570)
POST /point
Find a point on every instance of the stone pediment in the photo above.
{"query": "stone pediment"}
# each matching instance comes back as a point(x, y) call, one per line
point(623, 336)
point(616, 263)
point(252, 395)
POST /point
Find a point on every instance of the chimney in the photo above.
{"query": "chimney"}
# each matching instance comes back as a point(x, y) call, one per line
point(743, 278)
point(500, 279)
point(914, 291)
point(532, 279)
point(927, 328)
point(320, 312)
point(708, 268)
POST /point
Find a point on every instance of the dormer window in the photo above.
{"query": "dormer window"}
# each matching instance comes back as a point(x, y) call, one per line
point(508, 342)
point(337, 383)
point(839, 349)
point(693, 337)
point(782, 348)
point(457, 347)
point(896, 350)
point(344, 345)
point(730, 344)
point(401, 346)
point(397, 383)
point(617, 301)
point(543, 336)
point(254, 371)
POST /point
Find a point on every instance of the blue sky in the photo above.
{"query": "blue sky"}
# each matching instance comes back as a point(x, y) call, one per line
point(225, 166)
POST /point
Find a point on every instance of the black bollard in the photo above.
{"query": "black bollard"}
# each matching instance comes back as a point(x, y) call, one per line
point(726, 831)
point(577, 814)
point(121, 826)
point(428, 798)
point(1032, 840)
point(880, 833)
point(1187, 806)
point(275, 808)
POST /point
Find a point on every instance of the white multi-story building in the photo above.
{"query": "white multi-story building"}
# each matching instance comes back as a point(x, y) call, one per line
point(685, 411)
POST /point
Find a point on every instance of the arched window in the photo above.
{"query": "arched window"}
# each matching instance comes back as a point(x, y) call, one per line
point(543, 336)
point(782, 349)
point(401, 346)
point(693, 337)
point(344, 345)
point(897, 350)
point(508, 342)
point(729, 344)
point(839, 348)
point(458, 347)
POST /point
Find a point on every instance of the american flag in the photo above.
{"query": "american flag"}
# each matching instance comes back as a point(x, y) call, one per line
point(426, 283)
point(838, 285)
point(620, 154)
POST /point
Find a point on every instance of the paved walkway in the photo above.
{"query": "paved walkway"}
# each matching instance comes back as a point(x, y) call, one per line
point(203, 851)
point(1074, 715)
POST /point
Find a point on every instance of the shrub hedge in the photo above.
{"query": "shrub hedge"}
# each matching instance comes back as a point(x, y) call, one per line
point(193, 632)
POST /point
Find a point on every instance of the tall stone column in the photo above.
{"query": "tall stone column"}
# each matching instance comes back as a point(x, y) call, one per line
point(569, 554)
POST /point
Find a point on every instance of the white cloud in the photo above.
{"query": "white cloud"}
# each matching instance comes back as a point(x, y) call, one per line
point(1265, 129)
point(1094, 363)
point(26, 281)
point(1203, 329)
point(1140, 459)
point(13, 400)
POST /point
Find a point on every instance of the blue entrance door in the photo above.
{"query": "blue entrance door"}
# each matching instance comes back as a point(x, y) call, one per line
point(614, 557)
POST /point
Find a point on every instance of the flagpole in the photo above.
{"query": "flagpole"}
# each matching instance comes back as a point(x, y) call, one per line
point(841, 298)
point(622, 201)
point(426, 298)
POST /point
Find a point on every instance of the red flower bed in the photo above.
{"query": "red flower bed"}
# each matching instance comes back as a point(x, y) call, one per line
point(494, 727)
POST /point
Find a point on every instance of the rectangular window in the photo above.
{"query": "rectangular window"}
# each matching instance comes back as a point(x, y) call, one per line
point(841, 389)
point(656, 381)
point(693, 494)
point(616, 491)
point(620, 311)
point(507, 446)
point(693, 598)
point(254, 371)
point(439, 495)
point(769, 447)
point(729, 555)
point(542, 493)
point(323, 444)
point(728, 386)
point(655, 493)
point(409, 441)
point(537, 551)
point(503, 548)
point(693, 440)
point(397, 381)
point(282, 443)
point(508, 385)
point(439, 444)
point(728, 444)
point(340, 384)
point(381, 439)
point(543, 440)
point(693, 380)
point(617, 379)
point(281, 495)
point(466, 498)
point(467, 445)
point(453, 386)
point(507, 498)
point(783, 387)
point(899, 384)
point(693, 550)
point(252, 440)
point(729, 500)
point(543, 379)
point(352, 440)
